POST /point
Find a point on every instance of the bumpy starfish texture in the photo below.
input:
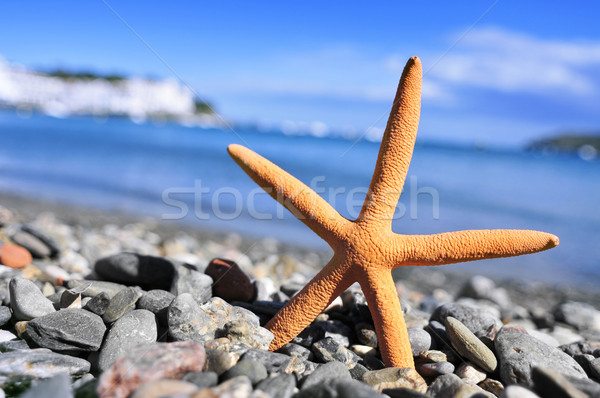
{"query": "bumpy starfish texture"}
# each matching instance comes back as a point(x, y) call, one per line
point(366, 250)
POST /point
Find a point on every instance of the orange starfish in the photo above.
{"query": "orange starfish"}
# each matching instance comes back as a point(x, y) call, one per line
point(366, 250)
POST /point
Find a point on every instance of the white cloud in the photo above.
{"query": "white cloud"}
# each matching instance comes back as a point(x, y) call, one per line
point(513, 62)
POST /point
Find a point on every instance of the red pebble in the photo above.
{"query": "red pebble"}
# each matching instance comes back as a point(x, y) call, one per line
point(230, 282)
point(150, 362)
point(14, 256)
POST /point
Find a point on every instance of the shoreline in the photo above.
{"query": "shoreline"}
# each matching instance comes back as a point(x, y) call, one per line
point(423, 279)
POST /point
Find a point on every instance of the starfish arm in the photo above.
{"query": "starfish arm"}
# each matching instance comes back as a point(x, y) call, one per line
point(392, 335)
point(396, 147)
point(456, 247)
point(304, 307)
point(290, 192)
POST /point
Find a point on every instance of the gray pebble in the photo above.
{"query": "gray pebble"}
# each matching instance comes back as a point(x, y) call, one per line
point(156, 301)
point(202, 380)
point(365, 333)
point(419, 340)
point(96, 287)
point(328, 350)
point(5, 315)
point(328, 371)
point(296, 350)
point(451, 386)
point(551, 383)
point(516, 391)
point(358, 371)
point(435, 369)
point(579, 315)
point(149, 272)
point(27, 301)
point(273, 362)
point(188, 280)
point(121, 303)
point(132, 329)
point(56, 386)
point(588, 386)
point(44, 238)
point(337, 330)
point(35, 246)
point(280, 386)
point(68, 329)
point(13, 345)
point(263, 289)
point(518, 353)
point(340, 389)
point(477, 320)
point(242, 331)
point(254, 370)
point(41, 363)
point(98, 304)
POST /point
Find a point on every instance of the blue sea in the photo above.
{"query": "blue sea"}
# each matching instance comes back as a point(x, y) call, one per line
point(184, 175)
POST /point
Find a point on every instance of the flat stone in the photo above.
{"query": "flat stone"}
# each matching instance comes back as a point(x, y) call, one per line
point(237, 387)
point(337, 330)
point(13, 345)
point(433, 356)
point(515, 391)
point(328, 371)
point(451, 386)
point(164, 388)
point(14, 256)
point(328, 350)
point(43, 237)
point(273, 362)
point(477, 320)
point(27, 301)
point(263, 289)
point(551, 383)
point(35, 246)
point(588, 386)
point(149, 272)
point(220, 361)
point(148, 363)
point(252, 369)
point(296, 350)
point(518, 353)
point(5, 336)
point(188, 280)
point(419, 340)
point(403, 393)
point(340, 389)
point(68, 329)
point(471, 373)
point(121, 303)
point(395, 378)
point(135, 328)
point(40, 363)
point(469, 346)
point(156, 301)
point(579, 315)
point(202, 380)
point(98, 304)
point(434, 369)
point(492, 386)
point(231, 282)
point(56, 386)
point(189, 320)
point(363, 350)
point(5, 315)
point(96, 287)
point(280, 386)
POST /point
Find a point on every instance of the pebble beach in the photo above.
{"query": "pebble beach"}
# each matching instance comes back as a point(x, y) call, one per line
point(108, 305)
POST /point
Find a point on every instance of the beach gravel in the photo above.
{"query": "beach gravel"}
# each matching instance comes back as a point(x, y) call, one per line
point(27, 301)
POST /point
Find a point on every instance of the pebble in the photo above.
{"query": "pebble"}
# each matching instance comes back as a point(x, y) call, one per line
point(149, 272)
point(434, 368)
point(280, 386)
point(96, 287)
point(296, 350)
point(5, 336)
point(27, 301)
point(579, 315)
point(477, 320)
point(231, 282)
point(14, 256)
point(55, 386)
point(340, 389)
point(328, 371)
point(470, 373)
point(516, 391)
point(135, 328)
point(35, 246)
point(518, 353)
point(363, 350)
point(419, 340)
point(43, 237)
point(249, 333)
point(395, 378)
point(202, 380)
point(156, 301)
point(98, 304)
point(237, 387)
point(365, 333)
point(252, 369)
point(40, 363)
point(451, 386)
point(433, 356)
point(273, 361)
point(328, 349)
point(551, 383)
point(164, 388)
point(13, 345)
point(148, 363)
point(481, 287)
point(121, 303)
point(68, 329)
point(5, 315)
point(493, 386)
point(469, 346)
point(188, 280)
point(263, 289)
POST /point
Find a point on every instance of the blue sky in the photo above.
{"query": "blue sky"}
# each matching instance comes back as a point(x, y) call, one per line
point(522, 70)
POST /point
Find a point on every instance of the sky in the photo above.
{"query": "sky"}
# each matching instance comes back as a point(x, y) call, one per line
point(495, 72)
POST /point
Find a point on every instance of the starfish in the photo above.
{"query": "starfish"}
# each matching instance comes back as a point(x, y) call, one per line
point(366, 250)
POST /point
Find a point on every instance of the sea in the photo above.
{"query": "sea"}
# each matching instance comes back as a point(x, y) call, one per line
point(182, 174)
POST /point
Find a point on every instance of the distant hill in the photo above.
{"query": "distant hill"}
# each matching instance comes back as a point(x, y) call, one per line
point(586, 145)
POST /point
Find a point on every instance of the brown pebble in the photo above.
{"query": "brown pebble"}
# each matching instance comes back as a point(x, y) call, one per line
point(230, 282)
point(163, 388)
point(14, 256)
point(147, 363)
